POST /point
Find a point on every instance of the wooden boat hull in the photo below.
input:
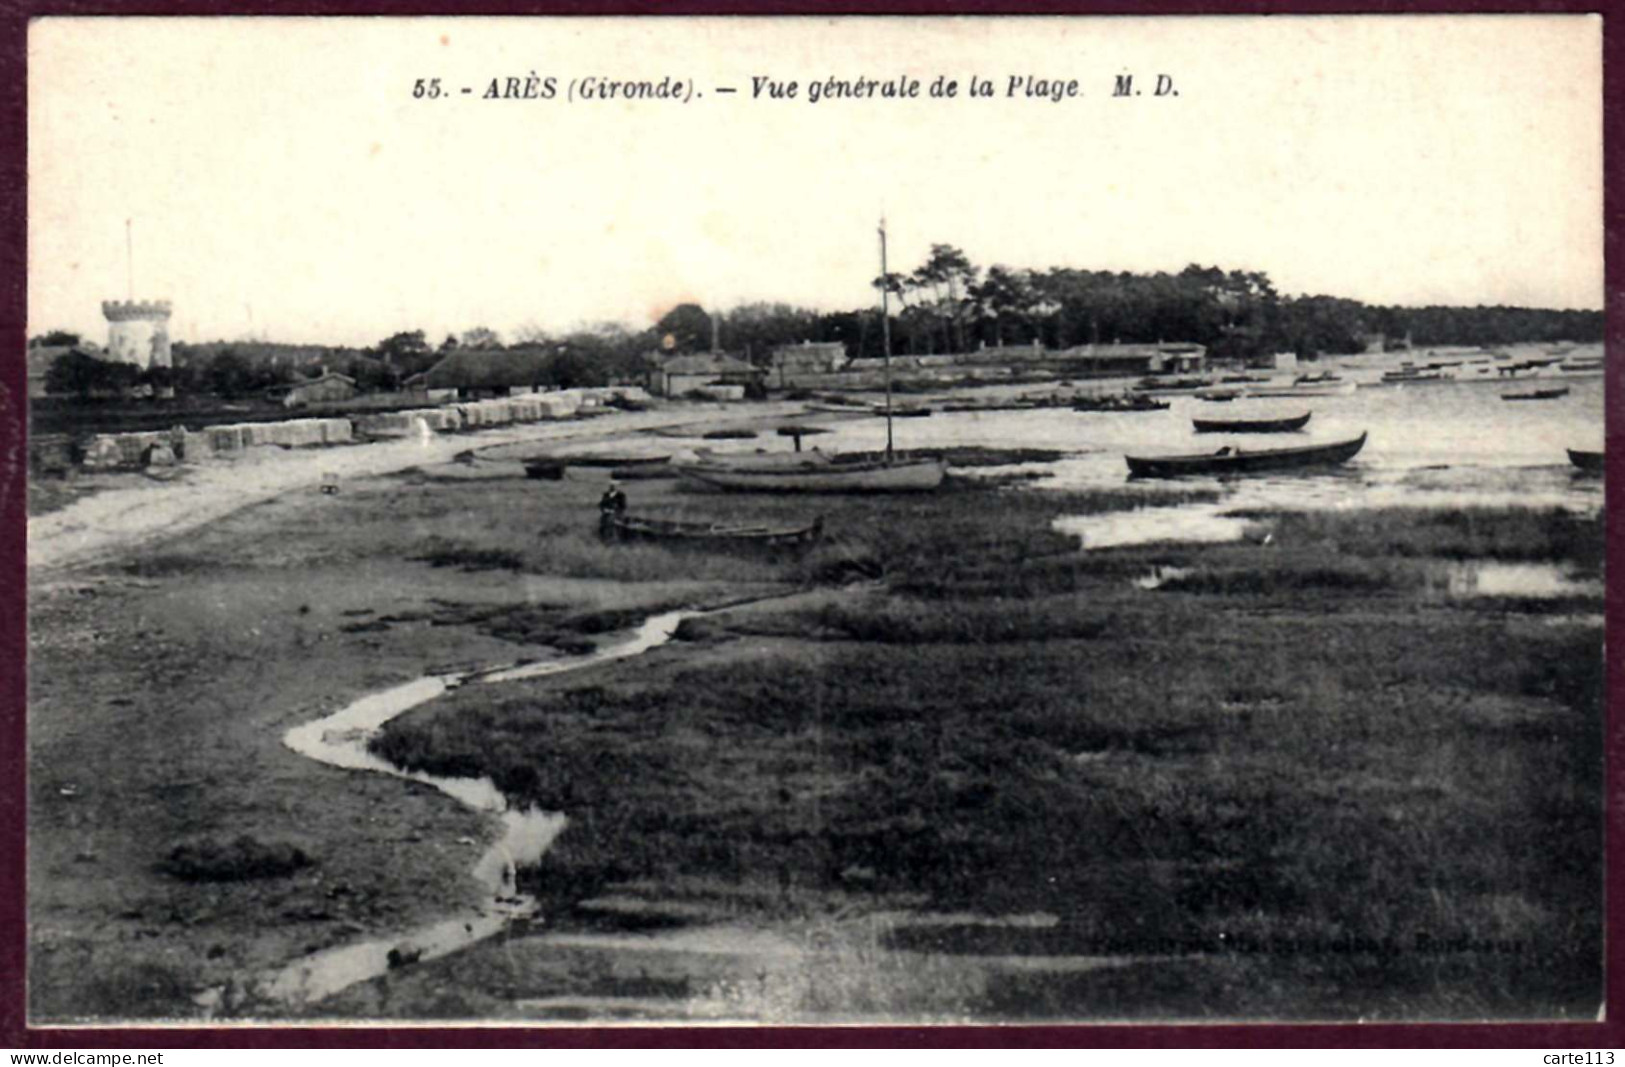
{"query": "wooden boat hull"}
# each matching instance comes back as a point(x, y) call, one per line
point(548, 470)
point(1590, 462)
point(909, 477)
point(713, 535)
point(1286, 425)
point(776, 461)
point(1138, 403)
point(1538, 394)
point(1230, 461)
point(611, 461)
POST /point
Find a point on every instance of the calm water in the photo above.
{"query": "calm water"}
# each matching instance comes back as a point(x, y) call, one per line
point(1428, 445)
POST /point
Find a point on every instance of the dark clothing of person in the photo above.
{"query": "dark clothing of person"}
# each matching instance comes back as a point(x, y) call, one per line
point(611, 506)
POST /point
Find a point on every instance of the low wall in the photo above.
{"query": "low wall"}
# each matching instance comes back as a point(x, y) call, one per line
point(110, 451)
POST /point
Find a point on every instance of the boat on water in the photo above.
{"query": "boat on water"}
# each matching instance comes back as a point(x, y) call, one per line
point(881, 477)
point(1136, 402)
point(1281, 425)
point(1538, 394)
point(714, 534)
point(1590, 462)
point(1341, 387)
point(905, 411)
point(1218, 396)
point(1238, 461)
point(1411, 375)
point(1170, 385)
point(1013, 405)
point(887, 475)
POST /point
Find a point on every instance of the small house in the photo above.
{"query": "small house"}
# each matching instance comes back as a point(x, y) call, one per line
point(325, 388)
point(790, 362)
point(680, 375)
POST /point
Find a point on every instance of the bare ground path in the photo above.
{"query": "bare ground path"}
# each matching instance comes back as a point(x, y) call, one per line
point(107, 524)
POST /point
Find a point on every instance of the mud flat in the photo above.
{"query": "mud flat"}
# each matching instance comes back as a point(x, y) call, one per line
point(1004, 779)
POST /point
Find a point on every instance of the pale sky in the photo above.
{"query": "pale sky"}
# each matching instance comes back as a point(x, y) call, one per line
point(283, 180)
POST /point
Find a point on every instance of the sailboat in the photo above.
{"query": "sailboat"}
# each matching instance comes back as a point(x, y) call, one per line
point(889, 475)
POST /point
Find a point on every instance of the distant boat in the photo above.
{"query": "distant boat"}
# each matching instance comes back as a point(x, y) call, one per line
point(1217, 396)
point(1409, 375)
point(905, 411)
point(1341, 387)
point(1590, 462)
point(1137, 402)
point(1581, 365)
point(902, 477)
point(1283, 425)
point(552, 468)
point(1538, 394)
point(1170, 385)
point(1237, 461)
point(548, 469)
point(714, 534)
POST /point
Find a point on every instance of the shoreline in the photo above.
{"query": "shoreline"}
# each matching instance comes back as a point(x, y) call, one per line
point(267, 616)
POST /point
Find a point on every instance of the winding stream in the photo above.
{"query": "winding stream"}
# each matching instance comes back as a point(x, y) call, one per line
point(340, 740)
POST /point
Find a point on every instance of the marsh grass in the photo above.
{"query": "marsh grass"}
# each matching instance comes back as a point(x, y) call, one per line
point(1300, 769)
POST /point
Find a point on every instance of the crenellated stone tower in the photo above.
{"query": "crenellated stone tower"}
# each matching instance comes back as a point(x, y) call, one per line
point(137, 331)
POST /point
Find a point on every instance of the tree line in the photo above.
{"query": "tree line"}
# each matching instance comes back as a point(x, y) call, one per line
point(946, 304)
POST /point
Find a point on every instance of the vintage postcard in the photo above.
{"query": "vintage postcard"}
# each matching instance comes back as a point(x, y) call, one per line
point(815, 520)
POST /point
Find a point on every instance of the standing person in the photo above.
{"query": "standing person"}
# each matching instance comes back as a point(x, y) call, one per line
point(611, 506)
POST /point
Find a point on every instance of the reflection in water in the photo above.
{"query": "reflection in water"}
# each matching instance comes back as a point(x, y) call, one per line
point(1192, 524)
point(340, 740)
point(1477, 579)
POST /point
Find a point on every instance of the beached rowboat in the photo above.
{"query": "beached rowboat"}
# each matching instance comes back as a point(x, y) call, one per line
point(718, 534)
point(1237, 461)
point(1283, 425)
point(1537, 394)
point(1592, 462)
point(913, 476)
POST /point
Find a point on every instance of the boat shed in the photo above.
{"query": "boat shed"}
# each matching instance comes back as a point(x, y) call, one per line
point(685, 374)
point(1137, 358)
point(487, 372)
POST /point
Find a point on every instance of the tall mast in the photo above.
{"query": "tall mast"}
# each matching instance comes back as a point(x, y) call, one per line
point(129, 262)
point(885, 333)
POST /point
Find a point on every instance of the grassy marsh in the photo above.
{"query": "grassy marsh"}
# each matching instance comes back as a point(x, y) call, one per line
point(1324, 787)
